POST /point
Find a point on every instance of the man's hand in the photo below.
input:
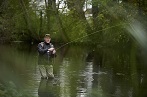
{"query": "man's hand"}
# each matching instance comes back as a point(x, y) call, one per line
point(51, 49)
point(54, 51)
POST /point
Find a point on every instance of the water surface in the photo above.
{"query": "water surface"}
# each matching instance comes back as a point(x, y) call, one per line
point(80, 71)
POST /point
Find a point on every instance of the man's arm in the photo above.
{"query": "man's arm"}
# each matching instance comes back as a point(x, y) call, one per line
point(52, 49)
point(41, 49)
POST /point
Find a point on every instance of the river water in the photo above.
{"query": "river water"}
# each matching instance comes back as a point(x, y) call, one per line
point(80, 71)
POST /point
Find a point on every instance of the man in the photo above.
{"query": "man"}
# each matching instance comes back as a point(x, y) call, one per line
point(46, 53)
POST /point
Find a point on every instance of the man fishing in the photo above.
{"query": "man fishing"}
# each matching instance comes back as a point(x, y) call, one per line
point(46, 53)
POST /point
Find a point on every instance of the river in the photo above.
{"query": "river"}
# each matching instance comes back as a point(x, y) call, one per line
point(80, 71)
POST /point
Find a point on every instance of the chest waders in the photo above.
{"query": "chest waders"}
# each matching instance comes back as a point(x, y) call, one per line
point(46, 70)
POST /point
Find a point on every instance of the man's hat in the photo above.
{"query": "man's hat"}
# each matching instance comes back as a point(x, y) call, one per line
point(47, 35)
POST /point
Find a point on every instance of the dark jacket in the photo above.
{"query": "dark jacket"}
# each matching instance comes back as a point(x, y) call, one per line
point(45, 56)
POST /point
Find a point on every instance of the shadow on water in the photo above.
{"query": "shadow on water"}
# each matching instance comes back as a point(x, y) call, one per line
point(79, 72)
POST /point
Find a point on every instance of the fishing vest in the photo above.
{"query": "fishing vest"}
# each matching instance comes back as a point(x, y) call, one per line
point(42, 44)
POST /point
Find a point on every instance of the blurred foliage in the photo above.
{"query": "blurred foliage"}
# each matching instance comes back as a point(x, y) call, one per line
point(9, 89)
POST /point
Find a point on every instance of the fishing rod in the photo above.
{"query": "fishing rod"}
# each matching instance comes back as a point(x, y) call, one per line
point(89, 35)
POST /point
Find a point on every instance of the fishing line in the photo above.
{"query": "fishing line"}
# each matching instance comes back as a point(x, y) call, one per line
point(88, 35)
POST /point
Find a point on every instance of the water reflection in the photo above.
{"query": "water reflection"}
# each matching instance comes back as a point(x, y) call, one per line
point(64, 79)
point(47, 88)
point(79, 72)
point(85, 83)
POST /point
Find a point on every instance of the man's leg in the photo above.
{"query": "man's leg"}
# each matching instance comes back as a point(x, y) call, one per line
point(42, 70)
point(49, 71)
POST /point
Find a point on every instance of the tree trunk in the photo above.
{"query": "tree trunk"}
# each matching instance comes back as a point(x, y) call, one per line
point(77, 7)
point(60, 25)
point(95, 12)
point(48, 12)
point(25, 16)
point(139, 7)
point(40, 30)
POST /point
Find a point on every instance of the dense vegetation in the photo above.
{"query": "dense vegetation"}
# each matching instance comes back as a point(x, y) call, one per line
point(101, 21)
